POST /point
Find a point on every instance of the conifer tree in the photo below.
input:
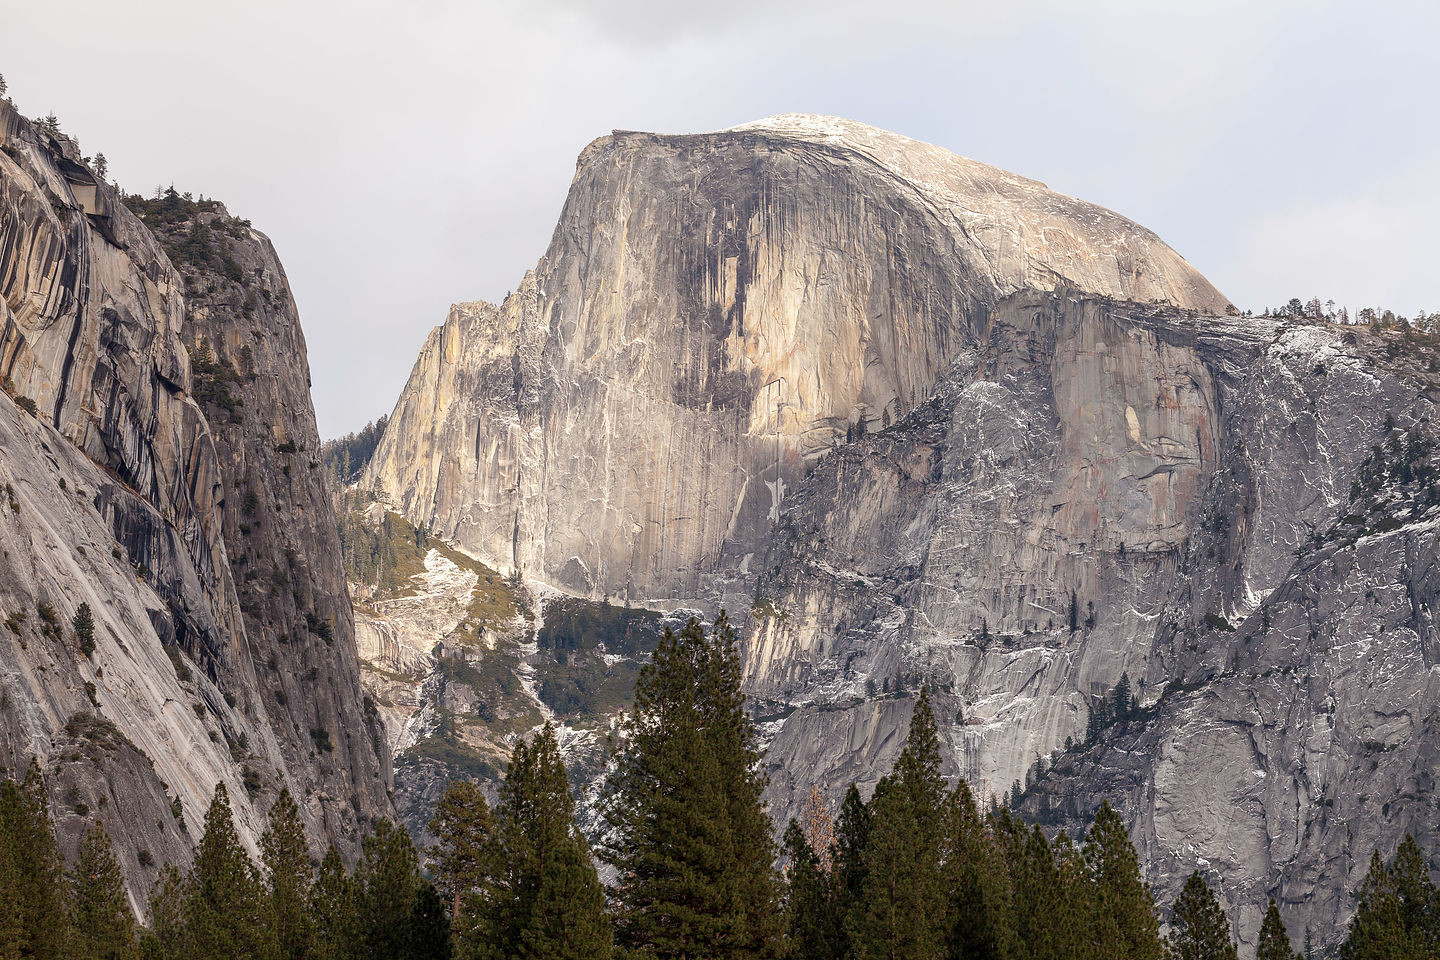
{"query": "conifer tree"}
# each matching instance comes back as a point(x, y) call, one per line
point(980, 915)
point(852, 838)
point(1075, 927)
point(819, 829)
point(1124, 700)
point(12, 930)
point(164, 939)
point(547, 900)
point(812, 920)
point(1419, 898)
point(1199, 929)
point(568, 919)
point(388, 877)
point(1041, 901)
point(104, 927)
point(1274, 941)
point(84, 624)
point(1396, 916)
point(335, 910)
point(687, 830)
point(289, 874)
point(225, 912)
point(902, 907)
point(464, 856)
point(1124, 914)
point(429, 937)
point(35, 877)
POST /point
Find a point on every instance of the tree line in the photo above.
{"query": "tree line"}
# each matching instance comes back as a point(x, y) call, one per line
point(920, 869)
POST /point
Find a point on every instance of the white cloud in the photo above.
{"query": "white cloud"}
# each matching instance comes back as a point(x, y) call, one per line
point(406, 156)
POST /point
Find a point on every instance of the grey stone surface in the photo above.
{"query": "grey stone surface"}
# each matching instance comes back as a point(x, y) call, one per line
point(998, 405)
point(131, 497)
point(715, 314)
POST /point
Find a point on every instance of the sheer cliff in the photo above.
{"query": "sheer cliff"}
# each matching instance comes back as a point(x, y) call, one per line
point(714, 315)
point(926, 421)
point(168, 466)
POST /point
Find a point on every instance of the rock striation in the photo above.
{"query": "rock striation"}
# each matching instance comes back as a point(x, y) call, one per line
point(157, 481)
point(1110, 490)
point(715, 314)
point(929, 422)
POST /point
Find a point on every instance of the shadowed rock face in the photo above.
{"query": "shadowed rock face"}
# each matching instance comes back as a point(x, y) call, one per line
point(715, 313)
point(127, 494)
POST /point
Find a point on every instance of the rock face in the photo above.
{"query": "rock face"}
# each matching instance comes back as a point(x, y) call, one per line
point(714, 315)
point(159, 511)
point(929, 422)
point(250, 375)
point(1167, 477)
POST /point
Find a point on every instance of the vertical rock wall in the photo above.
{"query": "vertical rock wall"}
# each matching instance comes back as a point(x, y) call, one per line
point(714, 315)
point(127, 494)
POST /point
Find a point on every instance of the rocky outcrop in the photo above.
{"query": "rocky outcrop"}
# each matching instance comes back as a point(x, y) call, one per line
point(132, 491)
point(715, 314)
point(252, 380)
point(927, 422)
point(1108, 489)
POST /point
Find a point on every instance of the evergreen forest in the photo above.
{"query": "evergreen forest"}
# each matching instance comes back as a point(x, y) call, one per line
point(919, 869)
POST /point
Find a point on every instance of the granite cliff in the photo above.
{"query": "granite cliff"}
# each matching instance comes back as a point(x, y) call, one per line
point(715, 314)
point(925, 421)
point(158, 466)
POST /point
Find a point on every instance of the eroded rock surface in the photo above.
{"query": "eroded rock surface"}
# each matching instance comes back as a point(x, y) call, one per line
point(928, 422)
point(716, 313)
point(160, 492)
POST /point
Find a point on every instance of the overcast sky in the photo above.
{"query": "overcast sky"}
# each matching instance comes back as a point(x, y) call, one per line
point(404, 156)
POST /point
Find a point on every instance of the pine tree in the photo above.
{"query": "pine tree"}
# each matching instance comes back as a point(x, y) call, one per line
point(1124, 700)
point(35, 877)
point(819, 829)
point(687, 830)
point(1419, 899)
point(335, 910)
point(852, 839)
point(289, 875)
point(1124, 909)
point(389, 880)
point(84, 624)
point(12, 930)
point(1274, 941)
point(1396, 914)
point(547, 899)
point(165, 937)
point(981, 919)
point(429, 937)
point(1041, 901)
point(812, 921)
point(568, 919)
point(104, 927)
point(1199, 929)
point(226, 912)
point(464, 856)
point(1075, 928)
point(902, 908)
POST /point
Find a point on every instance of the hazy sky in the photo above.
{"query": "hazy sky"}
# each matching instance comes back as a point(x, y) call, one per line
point(403, 156)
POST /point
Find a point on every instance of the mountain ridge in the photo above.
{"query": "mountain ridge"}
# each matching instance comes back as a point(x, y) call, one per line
point(1002, 446)
point(149, 370)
